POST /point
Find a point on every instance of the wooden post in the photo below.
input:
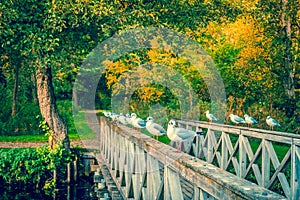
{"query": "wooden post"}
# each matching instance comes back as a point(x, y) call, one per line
point(197, 150)
point(54, 175)
point(75, 171)
point(243, 156)
point(295, 171)
point(224, 152)
point(265, 164)
point(69, 173)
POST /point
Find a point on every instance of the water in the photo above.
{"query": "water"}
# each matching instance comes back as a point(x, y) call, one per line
point(81, 191)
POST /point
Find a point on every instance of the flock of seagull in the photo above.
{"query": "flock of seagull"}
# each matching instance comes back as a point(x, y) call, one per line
point(247, 119)
point(175, 133)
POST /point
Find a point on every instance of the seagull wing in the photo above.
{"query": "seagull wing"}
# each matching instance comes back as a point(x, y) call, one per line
point(213, 117)
point(159, 128)
point(184, 133)
point(238, 119)
point(275, 122)
point(141, 122)
point(253, 120)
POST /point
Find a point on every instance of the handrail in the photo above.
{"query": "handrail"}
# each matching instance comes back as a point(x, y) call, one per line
point(144, 168)
point(215, 144)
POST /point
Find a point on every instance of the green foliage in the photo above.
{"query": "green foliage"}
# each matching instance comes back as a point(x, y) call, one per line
point(65, 111)
point(245, 39)
point(33, 166)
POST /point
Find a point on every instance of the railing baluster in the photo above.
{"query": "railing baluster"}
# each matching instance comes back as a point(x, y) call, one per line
point(224, 152)
point(265, 164)
point(295, 169)
point(242, 156)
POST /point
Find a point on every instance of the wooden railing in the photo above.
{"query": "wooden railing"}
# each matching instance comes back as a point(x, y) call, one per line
point(267, 158)
point(144, 168)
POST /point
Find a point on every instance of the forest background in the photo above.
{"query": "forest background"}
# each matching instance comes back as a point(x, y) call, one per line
point(254, 44)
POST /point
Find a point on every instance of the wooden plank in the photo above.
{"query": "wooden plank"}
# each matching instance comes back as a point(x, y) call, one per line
point(242, 156)
point(232, 151)
point(279, 168)
point(238, 130)
point(224, 152)
point(173, 184)
point(265, 163)
point(295, 171)
point(254, 167)
point(153, 178)
point(196, 193)
point(284, 183)
point(272, 154)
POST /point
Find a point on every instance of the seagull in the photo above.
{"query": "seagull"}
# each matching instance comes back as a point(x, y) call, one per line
point(272, 122)
point(250, 120)
point(236, 119)
point(177, 134)
point(154, 128)
point(210, 116)
point(122, 119)
point(128, 118)
point(114, 117)
point(106, 113)
point(137, 122)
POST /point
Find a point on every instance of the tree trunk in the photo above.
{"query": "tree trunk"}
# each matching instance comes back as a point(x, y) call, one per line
point(47, 104)
point(33, 90)
point(289, 85)
point(15, 92)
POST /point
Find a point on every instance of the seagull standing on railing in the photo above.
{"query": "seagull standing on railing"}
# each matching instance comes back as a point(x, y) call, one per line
point(210, 116)
point(122, 119)
point(106, 113)
point(236, 119)
point(137, 122)
point(154, 128)
point(250, 120)
point(179, 135)
point(114, 117)
point(272, 122)
point(128, 118)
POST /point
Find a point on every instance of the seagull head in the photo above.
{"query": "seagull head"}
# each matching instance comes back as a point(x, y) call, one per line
point(246, 115)
point(133, 115)
point(206, 112)
point(231, 115)
point(269, 117)
point(172, 123)
point(149, 119)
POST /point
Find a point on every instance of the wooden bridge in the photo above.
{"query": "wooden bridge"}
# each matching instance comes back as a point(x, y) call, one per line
point(225, 162)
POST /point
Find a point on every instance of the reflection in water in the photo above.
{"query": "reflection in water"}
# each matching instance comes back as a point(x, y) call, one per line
point(81, 191)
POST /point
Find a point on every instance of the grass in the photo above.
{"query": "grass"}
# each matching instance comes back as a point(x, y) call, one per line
point(33, 138)
point(83, 131)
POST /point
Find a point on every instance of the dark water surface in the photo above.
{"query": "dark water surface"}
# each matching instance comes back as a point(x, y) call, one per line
point(82, 190)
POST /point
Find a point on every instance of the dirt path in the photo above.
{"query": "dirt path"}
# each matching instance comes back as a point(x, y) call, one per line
point(32, 144)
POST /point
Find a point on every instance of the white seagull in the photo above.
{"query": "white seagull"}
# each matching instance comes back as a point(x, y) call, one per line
point(106, 113)
point(210, 116)
point(250, 120)
point(114, 117)
point(122, 119)
point(180, 135)
point(128, 118)
point(236, 119)
point(137, 122)
point(154, 128)
point(272, 122)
